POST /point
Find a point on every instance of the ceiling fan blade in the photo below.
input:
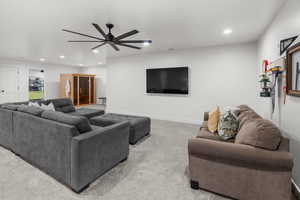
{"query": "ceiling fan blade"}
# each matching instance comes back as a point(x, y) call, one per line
point(99, 29)
point(82, 34)
point(114, 46)
point(134, 41)
point(100, 45)
point(130, 46)
point(85, 41)
point(130, 33)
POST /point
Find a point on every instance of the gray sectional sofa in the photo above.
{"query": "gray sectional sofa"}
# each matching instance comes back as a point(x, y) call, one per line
point(64, 145)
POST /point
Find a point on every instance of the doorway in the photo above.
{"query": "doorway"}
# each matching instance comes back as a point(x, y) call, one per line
point(8, 84)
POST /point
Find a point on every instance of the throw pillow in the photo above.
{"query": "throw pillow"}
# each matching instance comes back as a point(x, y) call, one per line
point(213, 120)
point(36, 104)
point(260, 133)
point(228, 125)
point(50, 106)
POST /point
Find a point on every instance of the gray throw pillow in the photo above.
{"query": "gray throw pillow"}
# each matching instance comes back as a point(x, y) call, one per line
point(260, 133)
point(228, 125)
point(81, 123)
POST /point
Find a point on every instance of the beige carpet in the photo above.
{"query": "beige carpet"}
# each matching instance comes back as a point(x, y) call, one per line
point(155, 170)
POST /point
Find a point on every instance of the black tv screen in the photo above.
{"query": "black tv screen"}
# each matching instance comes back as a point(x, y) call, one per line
point(168, 80)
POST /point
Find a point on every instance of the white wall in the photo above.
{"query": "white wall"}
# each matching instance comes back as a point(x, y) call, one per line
point(52, 77)
point(100, 72)
point(286, 24)
point(222, 75)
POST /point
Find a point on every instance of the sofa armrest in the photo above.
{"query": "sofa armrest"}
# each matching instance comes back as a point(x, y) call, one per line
point(96, 152)
point(206, 115)
point(239, 154)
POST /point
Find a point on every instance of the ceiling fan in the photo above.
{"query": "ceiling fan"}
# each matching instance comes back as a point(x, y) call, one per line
point(110, 39)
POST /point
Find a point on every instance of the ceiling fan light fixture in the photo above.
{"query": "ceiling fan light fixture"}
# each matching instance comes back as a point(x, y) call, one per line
point(147, 43)
point(96, 51)
point(227, 31)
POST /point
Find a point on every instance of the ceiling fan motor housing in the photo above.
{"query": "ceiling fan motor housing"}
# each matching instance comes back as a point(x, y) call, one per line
point(109, 26)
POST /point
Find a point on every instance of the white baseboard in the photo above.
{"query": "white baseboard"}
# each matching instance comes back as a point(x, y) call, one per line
point(296, 190)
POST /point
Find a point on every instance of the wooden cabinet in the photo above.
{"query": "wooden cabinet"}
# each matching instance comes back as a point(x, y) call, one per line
point(78, 87)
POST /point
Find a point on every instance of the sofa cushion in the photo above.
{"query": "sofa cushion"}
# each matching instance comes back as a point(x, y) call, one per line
point(259, 133)
point(243, 108)
point(87, 112)
point(228, 125)
point(204, 125)
point(206, 134)
point(246, 116)
point(81, 123)
point(96, 127)
point(33, 110)
point(64, 105)
point(10, 107)
point(213, 120)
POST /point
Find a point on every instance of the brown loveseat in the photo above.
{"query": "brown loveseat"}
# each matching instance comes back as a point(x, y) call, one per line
point(237, 170)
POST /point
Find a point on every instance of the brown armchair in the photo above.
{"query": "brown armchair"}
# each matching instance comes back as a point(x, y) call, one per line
point(239, 171)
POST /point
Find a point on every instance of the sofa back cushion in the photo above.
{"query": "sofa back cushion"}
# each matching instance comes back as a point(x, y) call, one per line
point(243, 108)
point(246, 116)
point(259, 133)
point(81, 123)
point(10, 107)
point(33, 110)
point(64, 105)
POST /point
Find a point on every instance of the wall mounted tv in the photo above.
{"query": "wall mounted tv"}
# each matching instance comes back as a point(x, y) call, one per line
point(168, 80)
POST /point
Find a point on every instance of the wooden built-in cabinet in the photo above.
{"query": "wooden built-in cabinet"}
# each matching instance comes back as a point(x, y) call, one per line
point(78, 87)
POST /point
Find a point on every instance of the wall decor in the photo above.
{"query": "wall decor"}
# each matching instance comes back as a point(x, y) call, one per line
point(286, 43)
point(293, 70)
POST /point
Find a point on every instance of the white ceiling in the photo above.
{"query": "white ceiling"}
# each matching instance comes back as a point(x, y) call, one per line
point(31, 29)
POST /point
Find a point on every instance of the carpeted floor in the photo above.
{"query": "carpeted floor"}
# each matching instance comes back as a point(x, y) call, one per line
point(155, 170)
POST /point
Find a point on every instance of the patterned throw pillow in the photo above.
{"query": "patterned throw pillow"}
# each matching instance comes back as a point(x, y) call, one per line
point(228, 125)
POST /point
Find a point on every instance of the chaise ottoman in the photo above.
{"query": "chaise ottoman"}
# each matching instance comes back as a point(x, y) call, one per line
point(87, 112)
point(139, 126)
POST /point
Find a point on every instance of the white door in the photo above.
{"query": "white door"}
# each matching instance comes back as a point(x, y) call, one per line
point(8, 84)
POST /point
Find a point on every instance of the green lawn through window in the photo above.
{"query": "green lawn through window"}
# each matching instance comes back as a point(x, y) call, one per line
point(36, 95)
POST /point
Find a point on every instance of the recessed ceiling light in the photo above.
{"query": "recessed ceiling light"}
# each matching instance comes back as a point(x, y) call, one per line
point(42, 59)
point(146, 43)
point(227, 31)
point(62, 57)
point(96, 51)
point(80, 65)
point(100, 63)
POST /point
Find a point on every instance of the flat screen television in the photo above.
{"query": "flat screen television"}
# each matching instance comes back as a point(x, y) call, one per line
point(168, 80)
